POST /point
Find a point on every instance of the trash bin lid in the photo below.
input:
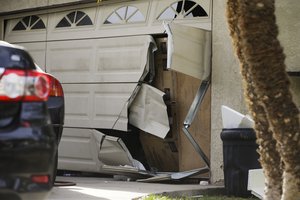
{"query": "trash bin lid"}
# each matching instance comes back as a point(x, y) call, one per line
point(238, 134)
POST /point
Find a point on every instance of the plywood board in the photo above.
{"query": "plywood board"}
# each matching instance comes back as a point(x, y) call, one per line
point(160, 154)
point(187, 88)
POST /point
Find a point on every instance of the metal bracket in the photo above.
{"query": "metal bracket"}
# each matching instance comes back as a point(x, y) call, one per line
point(190, 117)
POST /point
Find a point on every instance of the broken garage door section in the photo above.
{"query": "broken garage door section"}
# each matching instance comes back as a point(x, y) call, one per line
point(89, 150)
point(189, 50)
point(148, 111)
point(99, 77)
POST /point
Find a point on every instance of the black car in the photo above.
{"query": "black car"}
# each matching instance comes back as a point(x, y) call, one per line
point(31, 119)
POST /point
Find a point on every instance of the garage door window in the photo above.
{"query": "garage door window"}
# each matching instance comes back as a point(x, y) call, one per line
point(76, 18)
point(29, 23)
point(126, 14)
point(182, 9)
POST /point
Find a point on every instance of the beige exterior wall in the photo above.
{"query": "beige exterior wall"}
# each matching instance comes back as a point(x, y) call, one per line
point(288, 18)
point(226, 84)
point(16, 5)
point(295, 87)
point(13, 5)
point(226, 78)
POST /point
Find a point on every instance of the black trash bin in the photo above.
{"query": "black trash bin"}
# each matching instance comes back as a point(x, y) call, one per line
point(239, 155)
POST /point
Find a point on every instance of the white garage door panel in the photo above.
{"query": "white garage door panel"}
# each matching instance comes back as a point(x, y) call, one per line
point(97, 105)
point(77, 150)
point(127, 59)
point(121, 59)
point(37, 51)
point(80, 150)
point(73, 58)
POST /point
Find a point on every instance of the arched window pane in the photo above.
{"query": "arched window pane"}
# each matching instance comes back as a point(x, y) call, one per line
point(122, 12)
point(190, 15)
point(26, 20)
point(34, 18)
point(125, 14)
point(79, 15)
point(168, 14)
point(196, 10)
point(85, 21)
point(71, 17)
point(178, 6)
point(75, 18)
point(63, 23)
point(29, 22)
point(19, 27)
point(39, 25)
point(113, 19)
point(188, 5)
point(137, 17)
point(182, 9)
point(131, 11)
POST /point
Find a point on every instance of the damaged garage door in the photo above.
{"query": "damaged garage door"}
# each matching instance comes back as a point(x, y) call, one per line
point(101, 78)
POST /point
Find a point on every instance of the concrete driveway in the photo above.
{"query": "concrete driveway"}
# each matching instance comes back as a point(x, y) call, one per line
point(88, 188)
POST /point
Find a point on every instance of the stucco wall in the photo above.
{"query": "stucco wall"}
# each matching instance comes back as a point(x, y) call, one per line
point(226, 84)
point(15, 5)
point(295, 87)
point(288, 18)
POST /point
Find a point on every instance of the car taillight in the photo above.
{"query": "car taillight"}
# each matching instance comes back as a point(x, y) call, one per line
point(23, 85)
point(40, 178)
point(55, 88)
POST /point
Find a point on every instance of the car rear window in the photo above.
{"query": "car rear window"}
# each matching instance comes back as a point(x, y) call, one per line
point(15, 58)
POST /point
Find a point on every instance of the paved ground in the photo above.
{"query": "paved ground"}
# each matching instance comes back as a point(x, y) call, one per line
point(88, 188)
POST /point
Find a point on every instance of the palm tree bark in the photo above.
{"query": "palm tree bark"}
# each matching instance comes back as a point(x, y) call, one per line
point(267, 143)
point(254, 32)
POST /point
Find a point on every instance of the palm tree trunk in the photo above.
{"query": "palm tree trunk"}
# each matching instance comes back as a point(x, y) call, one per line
point(254, 33)
point(265, 139)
